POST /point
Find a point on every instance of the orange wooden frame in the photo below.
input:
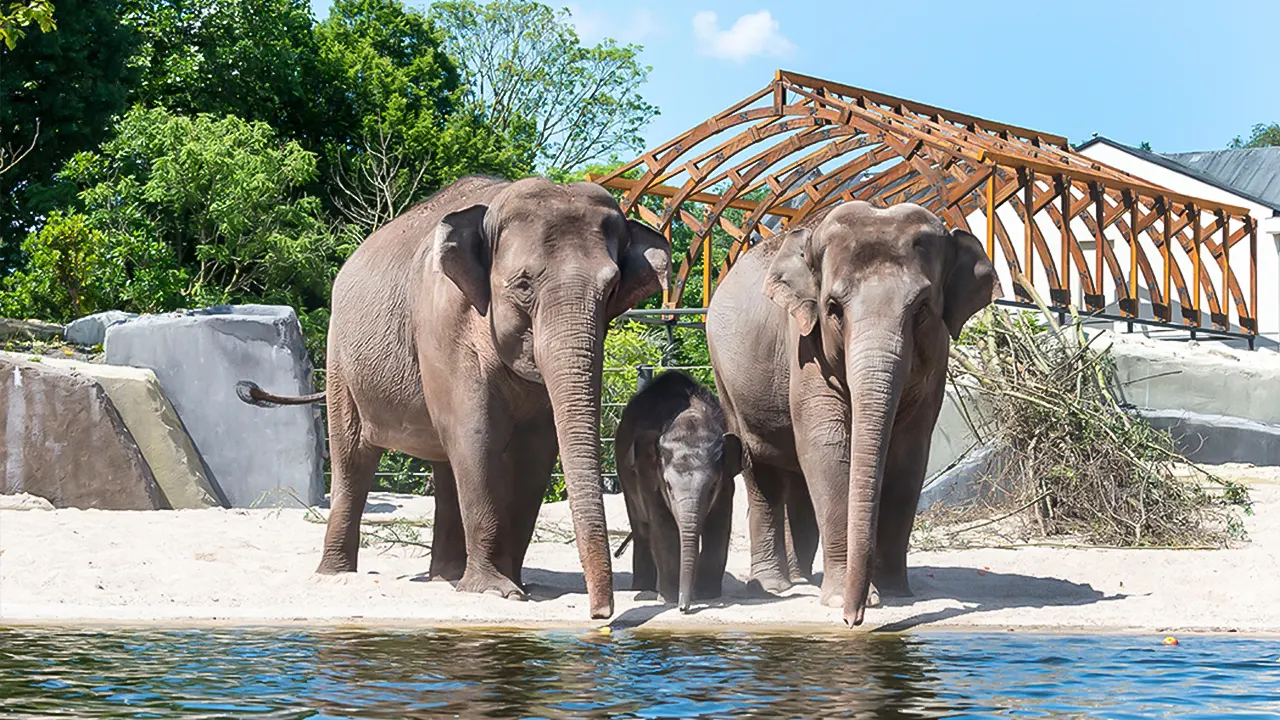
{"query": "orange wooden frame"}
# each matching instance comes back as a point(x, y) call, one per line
point(802, 145)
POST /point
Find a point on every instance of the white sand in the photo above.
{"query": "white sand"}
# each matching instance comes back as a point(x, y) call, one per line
point(255, 566)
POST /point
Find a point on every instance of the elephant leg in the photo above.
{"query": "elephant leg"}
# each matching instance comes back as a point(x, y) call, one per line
point(822, 439)
point(354, 462)
point(802, 529)
point(714, 554)
point(905, 468)
point(644, 569)
point(448, 542)
point(665, 544)
point(766, 488)
point(534, 447)
point(477, 451)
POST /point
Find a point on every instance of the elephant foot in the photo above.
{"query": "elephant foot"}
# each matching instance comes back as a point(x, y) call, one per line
point(336, 564)
point(490, 583)
point(770, 582)
point(447, 571)
point(873, 596)
point(707, 591)
point(893, 586)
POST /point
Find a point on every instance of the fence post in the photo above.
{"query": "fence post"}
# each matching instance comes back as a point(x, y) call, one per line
point(644, 373)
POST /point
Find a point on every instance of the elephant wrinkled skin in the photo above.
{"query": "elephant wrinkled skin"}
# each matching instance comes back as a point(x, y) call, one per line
point(469, 332)
point(829, 344)
point(676, 465)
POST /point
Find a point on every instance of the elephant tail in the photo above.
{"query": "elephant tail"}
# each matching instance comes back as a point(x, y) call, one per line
point(252, 394)
point(625, 542)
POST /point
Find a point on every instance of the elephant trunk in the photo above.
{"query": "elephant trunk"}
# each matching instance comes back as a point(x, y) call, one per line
point(876, 357)
point(571, 367)
point(687, 520)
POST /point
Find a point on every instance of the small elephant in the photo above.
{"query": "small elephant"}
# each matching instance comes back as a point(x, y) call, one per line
point(829, 344)
point(469, 332)
point(676, 465)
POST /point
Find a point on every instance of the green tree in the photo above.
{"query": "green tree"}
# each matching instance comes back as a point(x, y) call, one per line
point(180, 211)
point(21, 15)
point(1262, 136)
point(530, 77)
point(62, 279)
point(60, 90)
point(396, 130)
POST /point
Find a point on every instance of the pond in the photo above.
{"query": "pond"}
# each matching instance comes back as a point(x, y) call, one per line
point(629, 674)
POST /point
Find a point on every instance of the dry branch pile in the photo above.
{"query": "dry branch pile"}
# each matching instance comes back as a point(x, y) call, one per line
point(1071, 460)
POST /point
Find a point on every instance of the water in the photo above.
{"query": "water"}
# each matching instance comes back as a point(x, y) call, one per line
point(296, 674)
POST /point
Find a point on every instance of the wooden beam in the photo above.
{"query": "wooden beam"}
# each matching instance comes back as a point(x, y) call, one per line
point(666, 191)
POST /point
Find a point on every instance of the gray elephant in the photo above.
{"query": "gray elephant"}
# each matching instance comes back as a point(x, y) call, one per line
point(676, 465)
point(830, 344)
point(469, 332)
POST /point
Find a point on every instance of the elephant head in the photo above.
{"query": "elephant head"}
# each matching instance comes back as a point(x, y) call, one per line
point(696, 462)
point(549, 266)
point(876, 293)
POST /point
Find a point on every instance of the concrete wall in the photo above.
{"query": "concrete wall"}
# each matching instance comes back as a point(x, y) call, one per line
point(254, 456)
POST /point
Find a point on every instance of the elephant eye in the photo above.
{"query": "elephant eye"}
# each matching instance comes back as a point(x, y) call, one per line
point(835, 310)
point(521, 288)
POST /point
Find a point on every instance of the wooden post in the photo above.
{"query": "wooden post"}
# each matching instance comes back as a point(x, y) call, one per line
point(1195, 258)
point(1099, 237)
point(1065, 280)
point(1224, 266)
point(1253, 271)
point(1132, 200)
point(1028, 195)
point(991, 215)
point(1168, 259)
point(706, 271)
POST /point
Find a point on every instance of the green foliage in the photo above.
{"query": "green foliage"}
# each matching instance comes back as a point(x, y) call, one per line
point(21, 15)
point(62, 277)
point(1262, 135)
point(60, 89)
point(1144, 145)
point(529, 76)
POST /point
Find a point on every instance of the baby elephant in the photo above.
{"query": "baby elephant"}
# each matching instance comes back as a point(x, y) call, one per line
point(676, 465)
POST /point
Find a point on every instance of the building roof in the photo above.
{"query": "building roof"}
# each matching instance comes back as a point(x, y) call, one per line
point(1251, 173)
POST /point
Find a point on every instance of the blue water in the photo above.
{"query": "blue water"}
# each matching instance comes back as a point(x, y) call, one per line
point(630, 674)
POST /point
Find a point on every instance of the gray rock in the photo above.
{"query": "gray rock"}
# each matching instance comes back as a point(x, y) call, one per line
point(254, 456)
point(29, 330)
point(92, 329)
point(62, 439)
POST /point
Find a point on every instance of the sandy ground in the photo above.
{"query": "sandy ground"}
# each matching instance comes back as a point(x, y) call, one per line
point(255, 566)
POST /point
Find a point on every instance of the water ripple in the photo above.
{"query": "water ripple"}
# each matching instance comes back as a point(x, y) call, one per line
point(319, 674)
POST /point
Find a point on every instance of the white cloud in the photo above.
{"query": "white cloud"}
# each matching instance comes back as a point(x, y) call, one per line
point(594, 26)
point(756, 33)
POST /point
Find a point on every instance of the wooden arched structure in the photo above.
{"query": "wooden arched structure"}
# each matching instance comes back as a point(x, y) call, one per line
point(801, 145)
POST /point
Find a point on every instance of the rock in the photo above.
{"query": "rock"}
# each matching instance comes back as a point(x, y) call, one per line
point(24, 501)
point(255, 456)
point(156, 428)
point(92, 329)
point(29, 330)
point(64, 440)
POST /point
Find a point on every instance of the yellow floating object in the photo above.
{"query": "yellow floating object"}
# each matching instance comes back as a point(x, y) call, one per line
point(1171, 641)
point(606, 630)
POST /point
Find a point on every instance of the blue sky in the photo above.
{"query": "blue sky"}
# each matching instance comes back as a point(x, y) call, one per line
point(1181, 75)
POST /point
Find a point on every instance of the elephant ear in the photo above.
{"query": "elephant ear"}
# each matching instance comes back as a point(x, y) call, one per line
point(971, 281)
point(791, 283)
point(463, 253)
point(732, 456)
point(643, 264)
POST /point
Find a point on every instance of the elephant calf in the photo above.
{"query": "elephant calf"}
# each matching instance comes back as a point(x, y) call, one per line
point(676, 465)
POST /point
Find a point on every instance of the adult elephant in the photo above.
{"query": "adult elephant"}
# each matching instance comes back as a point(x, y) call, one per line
point(469, 332)
point(830, 345)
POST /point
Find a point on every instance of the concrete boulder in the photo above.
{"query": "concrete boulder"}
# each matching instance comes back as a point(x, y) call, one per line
point(29, 330)
point(63, 440)
point(92, 329)
point(253, 455)
point(156, 428)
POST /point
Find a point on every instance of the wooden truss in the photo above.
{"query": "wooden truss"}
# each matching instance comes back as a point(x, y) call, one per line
point(802, 145)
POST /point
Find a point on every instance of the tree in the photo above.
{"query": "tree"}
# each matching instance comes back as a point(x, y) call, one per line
point(61, 89)
point(256, 59)
point(24, 14)
point(529, 76)
point(179, 211)
point(393, 109)
point(1262, 136)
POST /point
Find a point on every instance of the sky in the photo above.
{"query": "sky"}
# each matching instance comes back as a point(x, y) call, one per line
point(1180, 75)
